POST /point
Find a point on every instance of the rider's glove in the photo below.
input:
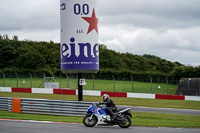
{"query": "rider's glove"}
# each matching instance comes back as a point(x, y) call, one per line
point(99, 103)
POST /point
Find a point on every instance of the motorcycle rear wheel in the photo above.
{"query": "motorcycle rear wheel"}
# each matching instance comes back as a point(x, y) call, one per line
point(89, 122)
point(126, 122)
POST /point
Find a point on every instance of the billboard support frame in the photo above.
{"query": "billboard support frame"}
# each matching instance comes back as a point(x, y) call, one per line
point(80, 88)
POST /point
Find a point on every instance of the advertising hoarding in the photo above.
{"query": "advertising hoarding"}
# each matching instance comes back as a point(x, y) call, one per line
point(79, 36)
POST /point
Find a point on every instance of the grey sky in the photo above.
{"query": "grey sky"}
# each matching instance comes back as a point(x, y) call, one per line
point(169, 29)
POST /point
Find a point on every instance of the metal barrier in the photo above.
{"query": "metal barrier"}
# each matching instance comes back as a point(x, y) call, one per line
point(47, 106)
point(54, 107)
point(5, 103)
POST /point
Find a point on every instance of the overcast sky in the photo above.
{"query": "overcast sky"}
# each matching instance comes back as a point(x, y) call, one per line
point(169, 29)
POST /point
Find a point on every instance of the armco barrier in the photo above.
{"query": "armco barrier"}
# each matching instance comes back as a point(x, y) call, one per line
point(44, 106)
point(5, 103)
point(54, 107)
point(99, 93)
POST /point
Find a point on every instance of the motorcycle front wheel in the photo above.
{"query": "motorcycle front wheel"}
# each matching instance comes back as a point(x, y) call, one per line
point(89, 122)
point(126, 122)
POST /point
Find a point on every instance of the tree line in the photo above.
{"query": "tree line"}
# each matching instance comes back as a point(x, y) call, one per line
point(26, 56)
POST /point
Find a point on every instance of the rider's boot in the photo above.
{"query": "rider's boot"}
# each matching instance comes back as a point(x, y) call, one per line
point(113, 117)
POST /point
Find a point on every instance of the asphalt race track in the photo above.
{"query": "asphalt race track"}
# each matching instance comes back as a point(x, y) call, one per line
point(162, 110)
point(7, 126)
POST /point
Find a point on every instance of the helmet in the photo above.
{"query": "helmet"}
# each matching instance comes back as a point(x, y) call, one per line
point(105, 97)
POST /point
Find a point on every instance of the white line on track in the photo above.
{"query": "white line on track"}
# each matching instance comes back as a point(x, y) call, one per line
point(36, 121)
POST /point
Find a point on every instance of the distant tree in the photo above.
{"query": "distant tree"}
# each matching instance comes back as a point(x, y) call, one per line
point(31, 60)
point(44, 57)
point(7, 56)
point(15, 38)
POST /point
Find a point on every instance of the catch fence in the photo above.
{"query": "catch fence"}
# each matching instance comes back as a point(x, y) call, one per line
point(128, 84)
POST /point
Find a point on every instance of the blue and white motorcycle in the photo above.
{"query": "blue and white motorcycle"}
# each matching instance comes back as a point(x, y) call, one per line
point(99, 116)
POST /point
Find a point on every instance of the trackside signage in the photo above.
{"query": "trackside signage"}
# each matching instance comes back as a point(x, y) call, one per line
point(79, 36)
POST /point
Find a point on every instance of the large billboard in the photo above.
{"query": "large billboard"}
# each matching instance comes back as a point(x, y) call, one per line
point(79, 36)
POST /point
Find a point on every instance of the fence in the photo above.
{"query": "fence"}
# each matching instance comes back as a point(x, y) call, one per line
point(130, 84)
point(45, 106)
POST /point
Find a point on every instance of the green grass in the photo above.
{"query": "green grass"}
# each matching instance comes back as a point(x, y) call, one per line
point(10, 115)
point(101, 85)
point(165, 120)
point(159, 103)
point(126, 86)
point(139, 119)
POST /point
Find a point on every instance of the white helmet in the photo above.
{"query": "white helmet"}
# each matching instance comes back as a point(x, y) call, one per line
point(105, 97)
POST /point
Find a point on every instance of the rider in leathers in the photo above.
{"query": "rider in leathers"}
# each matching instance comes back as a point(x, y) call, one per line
point(110, 105)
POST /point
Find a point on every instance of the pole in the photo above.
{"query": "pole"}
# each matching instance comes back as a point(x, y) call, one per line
point(151, 83)
point(167, 85)
point(17, 79)
point(114, 82)
point(188, 83)
point(3, 79)
point(67, 81)
point(93, 80)
point(132, 82)
point(80, 88)
point(30, 79)
point(44, 79)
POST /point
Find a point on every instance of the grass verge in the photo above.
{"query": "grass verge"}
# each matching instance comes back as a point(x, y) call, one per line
point(139, 119)
point(158, 103)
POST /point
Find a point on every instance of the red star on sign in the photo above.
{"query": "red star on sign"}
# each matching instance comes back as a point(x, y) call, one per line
point(93, 21)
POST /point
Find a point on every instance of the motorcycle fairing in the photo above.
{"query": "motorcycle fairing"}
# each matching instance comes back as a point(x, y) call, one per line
point(100, 113)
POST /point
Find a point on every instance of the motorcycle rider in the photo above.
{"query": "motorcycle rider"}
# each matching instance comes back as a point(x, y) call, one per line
point(110, 106)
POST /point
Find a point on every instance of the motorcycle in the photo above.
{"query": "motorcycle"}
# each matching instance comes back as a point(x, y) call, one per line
point(99, 116)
